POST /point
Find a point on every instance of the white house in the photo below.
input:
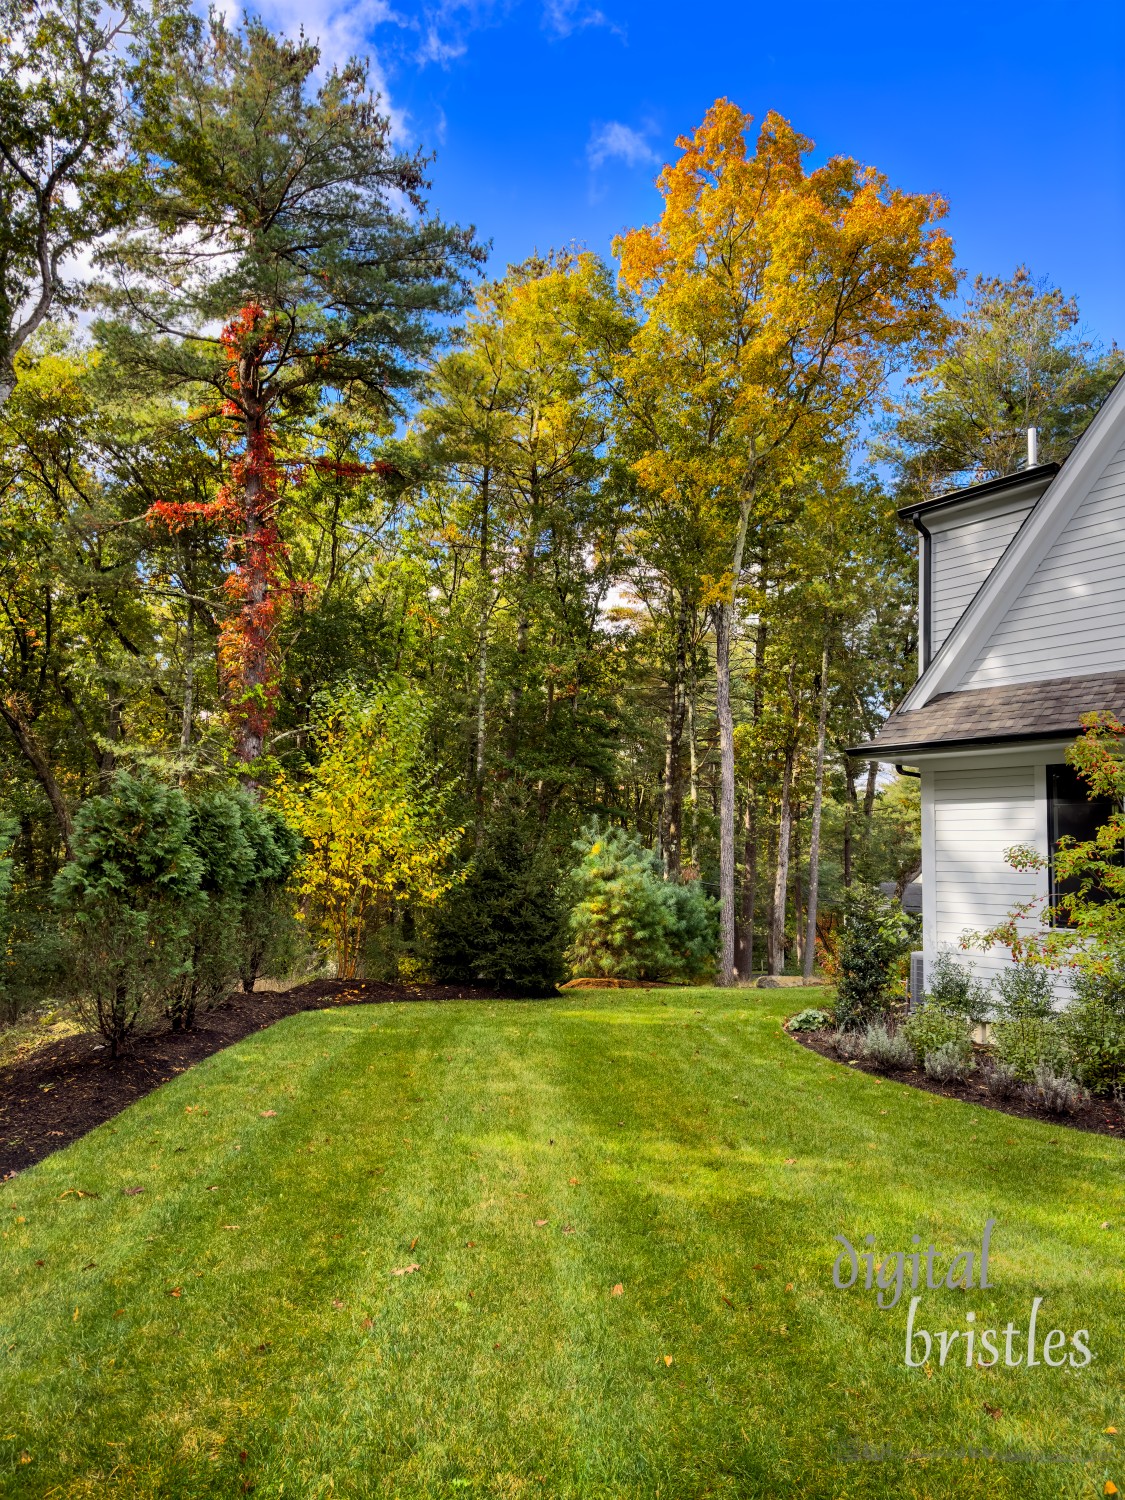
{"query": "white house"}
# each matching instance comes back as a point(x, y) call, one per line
point(1022, 632)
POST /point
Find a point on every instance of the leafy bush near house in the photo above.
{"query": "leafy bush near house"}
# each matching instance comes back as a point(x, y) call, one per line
point(627, 921)
point(875, 935)
point(887, 1049)
point(948, 1063)
point(504, 922)
point(929, 1028)
point(809, 1019)
point(1093, 1028)
point(953, 989)
point(1023, 1042)
point(1023, 990)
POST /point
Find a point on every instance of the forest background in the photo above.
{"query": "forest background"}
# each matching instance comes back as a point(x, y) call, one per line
point(508, 596)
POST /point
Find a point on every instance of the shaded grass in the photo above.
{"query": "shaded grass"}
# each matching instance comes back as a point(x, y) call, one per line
point(238, 1324)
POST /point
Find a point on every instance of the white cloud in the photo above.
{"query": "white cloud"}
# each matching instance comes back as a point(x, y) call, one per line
point(566, 16)
point(616, 142)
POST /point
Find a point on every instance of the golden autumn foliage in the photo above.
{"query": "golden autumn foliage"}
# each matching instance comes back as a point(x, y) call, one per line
point(776, 301)
point(371, 815)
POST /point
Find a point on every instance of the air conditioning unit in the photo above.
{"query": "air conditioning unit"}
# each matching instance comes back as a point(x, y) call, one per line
point(917, 980)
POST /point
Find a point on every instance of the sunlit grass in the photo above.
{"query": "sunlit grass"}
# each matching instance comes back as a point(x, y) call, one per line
point(237, 1327)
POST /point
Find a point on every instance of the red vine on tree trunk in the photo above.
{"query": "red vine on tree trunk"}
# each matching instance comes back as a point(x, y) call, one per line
point(246, 507)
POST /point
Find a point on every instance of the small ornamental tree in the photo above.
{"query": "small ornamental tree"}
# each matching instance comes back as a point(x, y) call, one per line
point(875, 935)
point(1085, 931)
point(372, 815)
point(128, 896)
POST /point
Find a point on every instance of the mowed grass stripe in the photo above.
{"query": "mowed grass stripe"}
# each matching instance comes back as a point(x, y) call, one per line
point(738, 1149)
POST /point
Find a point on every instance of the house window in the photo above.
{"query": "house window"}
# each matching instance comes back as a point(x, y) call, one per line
point(1072, 813)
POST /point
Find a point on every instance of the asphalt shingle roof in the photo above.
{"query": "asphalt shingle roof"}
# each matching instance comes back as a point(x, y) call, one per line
point(1016, 711)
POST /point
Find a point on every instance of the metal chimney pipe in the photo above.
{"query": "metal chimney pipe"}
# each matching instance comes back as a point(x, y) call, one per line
point(1032, 447)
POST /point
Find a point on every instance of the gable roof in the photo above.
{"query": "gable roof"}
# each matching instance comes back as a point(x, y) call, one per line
point(1031, 543)
point(1019, 711)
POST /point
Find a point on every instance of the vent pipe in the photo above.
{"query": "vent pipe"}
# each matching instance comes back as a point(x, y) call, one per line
point(1032, 447)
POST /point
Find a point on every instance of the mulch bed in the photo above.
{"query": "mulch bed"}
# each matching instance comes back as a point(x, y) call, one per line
point(1102, 1116)
point(66, 1087)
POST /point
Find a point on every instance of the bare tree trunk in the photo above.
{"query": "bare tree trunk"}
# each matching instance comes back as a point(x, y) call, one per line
point(751, 826)
point(798, 892)
point(849, 807)
point(817, 807)
point(693, 790)
point(482, 656)
point(672, 811)
point(750, 879)
point(724, 617)
point(869, 793)
point(781, 876)
point(189, 676)
point(32, 752)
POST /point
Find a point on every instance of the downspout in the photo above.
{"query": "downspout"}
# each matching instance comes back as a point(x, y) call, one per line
point(907, 771)
point(925, 604)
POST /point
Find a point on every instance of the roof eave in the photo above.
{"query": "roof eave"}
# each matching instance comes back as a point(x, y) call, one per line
point(936, 747)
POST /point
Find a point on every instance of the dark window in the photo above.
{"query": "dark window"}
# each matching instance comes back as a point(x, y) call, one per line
point(1072, 813)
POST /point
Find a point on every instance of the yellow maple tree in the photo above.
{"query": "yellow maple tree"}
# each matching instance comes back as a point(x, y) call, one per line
point(776, 301)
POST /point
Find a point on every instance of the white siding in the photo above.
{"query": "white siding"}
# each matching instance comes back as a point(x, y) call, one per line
point(978, 812)
point(963, 557)
point(1069, 619)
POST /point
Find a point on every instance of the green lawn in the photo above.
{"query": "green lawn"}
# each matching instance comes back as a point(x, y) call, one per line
point(237, 1328)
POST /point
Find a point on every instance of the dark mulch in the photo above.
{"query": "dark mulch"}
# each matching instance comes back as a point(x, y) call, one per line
point(65, 1088)
point(1102, 1116)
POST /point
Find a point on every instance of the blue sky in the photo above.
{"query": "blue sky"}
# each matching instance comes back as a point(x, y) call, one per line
point(551, 118)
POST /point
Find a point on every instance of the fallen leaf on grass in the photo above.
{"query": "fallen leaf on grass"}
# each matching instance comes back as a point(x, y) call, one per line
point(367, 1323)
point(995, 1412)
point(132, 1192)
point(1110, 1488)
point(788, 1286)
point(1112, 1431)
point(176, 1292)
point(540, 1222)
point(230, 1226)
point(406, 1270)
point(667, 1359)
point(267, 1114)
point(336, 1303)
point(790, 1161)
point(413, 1243)
point(1105, 1225)
point(76, 1193)
point(573, 1181)
point(568, 1229)
point(618, 1291)
point(728, 1302)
